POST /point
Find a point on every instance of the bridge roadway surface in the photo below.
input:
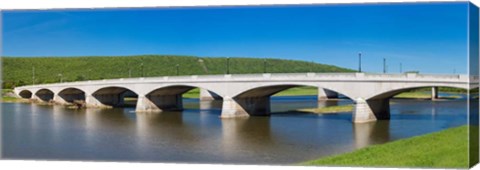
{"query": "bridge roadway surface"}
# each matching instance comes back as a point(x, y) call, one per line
point(245, 94)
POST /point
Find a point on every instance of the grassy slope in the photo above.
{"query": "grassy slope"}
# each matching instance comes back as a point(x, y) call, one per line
point(298, 91)
point(423, 95)
point(330, 109)
point(19, 70)
point(6, 98)
point(444, 149)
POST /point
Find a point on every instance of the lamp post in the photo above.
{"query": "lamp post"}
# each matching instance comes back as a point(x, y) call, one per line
point(141, 66)
point(61, 77)
point(401, 68)
point(177, 69)
point(33, 75)
point(88, 74)
point(265, 65)
point(228, 65)
point(359, 61)
point(384, 66)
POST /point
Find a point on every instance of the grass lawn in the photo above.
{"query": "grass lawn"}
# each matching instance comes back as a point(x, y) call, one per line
point(298, 91)
point(422, 95)
point(194, 93)
point(417, 95)
point(9, 99)
point(443, 149)
point(329, 109)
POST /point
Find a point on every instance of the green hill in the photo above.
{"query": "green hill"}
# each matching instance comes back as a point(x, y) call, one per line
point(17, 71)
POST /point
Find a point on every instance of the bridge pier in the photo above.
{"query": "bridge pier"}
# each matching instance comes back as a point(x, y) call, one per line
point(245, 106)
point(206, 95)
point(324, 94)
point(158, 103)
point(434, 93)
point(145, 105)
point(42, 98)
point(65, 99)
point(92, 101)
point(370, 110)
point(34, 98)
point(59, 100)
point(232, 109)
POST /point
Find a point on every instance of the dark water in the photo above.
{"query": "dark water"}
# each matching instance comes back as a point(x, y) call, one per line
point(199, 136)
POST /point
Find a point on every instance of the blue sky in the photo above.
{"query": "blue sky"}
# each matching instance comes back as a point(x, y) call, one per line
point(428, 37)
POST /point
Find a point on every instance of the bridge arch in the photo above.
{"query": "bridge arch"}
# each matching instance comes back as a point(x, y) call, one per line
point(256, 100)
point(377, 105)
point(44, 95)
point(26, 94)
point(71, 94)
point(110, 96)
point(165, 97)
point(266, 88)
point(391, 93)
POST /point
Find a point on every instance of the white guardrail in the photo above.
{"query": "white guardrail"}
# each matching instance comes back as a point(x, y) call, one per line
point(277, 76)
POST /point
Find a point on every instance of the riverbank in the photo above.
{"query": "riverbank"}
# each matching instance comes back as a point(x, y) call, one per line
point(444, 149)
point(424, 95)
point(9, 97)
point(329, 109)
point(296, 91)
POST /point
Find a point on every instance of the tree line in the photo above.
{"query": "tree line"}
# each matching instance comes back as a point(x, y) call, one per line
point(19, 71)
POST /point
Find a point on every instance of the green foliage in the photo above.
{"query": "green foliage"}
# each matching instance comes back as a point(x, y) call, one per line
point(17, 71)
point(444, 149)
point(299, 91)
point(330, 109)
point(441, 89)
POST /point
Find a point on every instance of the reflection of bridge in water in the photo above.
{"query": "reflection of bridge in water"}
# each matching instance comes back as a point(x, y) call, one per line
point(245, 95)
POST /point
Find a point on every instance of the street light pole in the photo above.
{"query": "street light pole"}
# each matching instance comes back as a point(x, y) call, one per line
point(360, 62)
point(88, 75)
point(384, 66)
point(177, 69)
point(311, 66)
point(265, 65)
point(141, 65)
point(33, 75)
point(61, 77)
point(228, 65)
point(401, 68)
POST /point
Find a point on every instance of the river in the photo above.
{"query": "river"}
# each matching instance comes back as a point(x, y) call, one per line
point(198, 135)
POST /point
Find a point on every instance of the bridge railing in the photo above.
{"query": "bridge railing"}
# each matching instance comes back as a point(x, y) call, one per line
point(267, 76)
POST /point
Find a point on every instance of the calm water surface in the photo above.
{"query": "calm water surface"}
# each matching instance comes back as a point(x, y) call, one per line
point(198, 135)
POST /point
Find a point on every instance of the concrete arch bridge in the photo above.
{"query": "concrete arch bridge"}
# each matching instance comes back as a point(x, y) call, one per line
point(245, 94)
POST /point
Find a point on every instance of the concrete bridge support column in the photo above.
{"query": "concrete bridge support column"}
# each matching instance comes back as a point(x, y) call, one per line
point(206, 95)
point(92, 101)
point(145, 105)
point(110, 100)
point(43, 98)
point(232, 109)
point(239, 107)
point(371, 110)
point(324, 94)
point(59, 100)
point(157, 103)
point(34, 98)
point(434, 93)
